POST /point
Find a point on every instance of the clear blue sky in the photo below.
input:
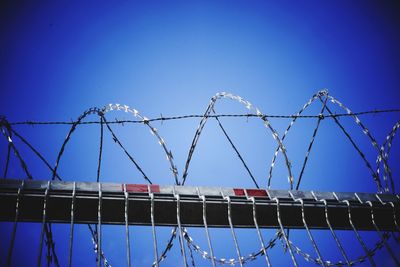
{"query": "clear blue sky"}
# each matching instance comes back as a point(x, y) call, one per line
point(58, 59)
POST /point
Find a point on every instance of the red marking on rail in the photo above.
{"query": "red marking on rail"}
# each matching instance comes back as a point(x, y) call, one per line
point(141, 188)
point(238, 192)
point(256, 192)
point(250, 192)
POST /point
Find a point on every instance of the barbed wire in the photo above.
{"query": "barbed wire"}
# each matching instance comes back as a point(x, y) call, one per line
point(194, 116)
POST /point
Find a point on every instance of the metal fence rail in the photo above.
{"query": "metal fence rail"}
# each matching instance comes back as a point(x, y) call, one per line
point(31, 195)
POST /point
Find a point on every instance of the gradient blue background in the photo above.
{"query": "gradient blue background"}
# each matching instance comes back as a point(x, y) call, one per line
point(170, 58)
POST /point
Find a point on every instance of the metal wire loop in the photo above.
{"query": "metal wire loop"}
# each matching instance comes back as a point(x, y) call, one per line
point(240, 258)
point(153, 228)
point(178, 219)
point(339, 245)
point(264, 250)
point(283, 231)
point(303, 215)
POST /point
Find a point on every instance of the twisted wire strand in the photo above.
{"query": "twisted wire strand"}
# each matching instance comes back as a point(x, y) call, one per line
point(34, 150)
point(100, 149)
point(298, 114)
point(8, 135)
point(194, 116)
point(98, 225)
point(310, 145)
point(361, 154)
point(153, 131)
point(237, 151)
point(7, 160)
point(11, 130)
point(100, 113)
point(367, 133)
point(249, 106)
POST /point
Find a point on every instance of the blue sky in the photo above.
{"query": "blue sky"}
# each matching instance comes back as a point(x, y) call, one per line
point(57, 59)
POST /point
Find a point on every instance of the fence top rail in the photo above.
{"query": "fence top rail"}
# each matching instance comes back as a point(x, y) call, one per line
point(15, 184)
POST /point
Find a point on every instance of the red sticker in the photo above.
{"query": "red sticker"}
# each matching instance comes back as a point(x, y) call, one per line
point(256, 192)
point(142, 188)
point(250, 192)
point(238, 192)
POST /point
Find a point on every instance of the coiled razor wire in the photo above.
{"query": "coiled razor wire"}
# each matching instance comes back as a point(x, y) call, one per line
point(250, 107)
point(153, 130)
point(383, 154)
